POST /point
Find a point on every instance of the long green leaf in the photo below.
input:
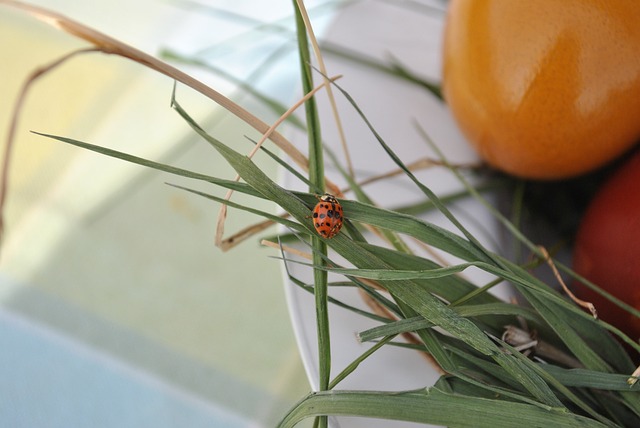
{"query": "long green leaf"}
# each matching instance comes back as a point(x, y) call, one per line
point(433, 407)
point(316, 177)
point(227, 184)
point(417, 323)
point(584, 378)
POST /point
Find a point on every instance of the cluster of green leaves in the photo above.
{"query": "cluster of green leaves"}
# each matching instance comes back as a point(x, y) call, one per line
point(488, 382)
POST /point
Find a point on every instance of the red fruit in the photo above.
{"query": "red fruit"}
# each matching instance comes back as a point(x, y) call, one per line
point(607, 249)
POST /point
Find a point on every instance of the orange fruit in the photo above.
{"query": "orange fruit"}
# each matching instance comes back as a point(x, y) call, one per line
point(544, 89)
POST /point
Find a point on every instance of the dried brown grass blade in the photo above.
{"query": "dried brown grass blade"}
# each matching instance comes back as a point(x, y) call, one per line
point(15, 118)
point(287, 249)
point(423, 163)
point(576, 300)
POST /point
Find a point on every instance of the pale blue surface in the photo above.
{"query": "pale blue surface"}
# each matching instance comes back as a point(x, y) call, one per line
point(48, 380)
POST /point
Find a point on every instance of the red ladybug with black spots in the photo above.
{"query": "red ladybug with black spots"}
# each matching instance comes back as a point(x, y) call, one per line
point(327, 216)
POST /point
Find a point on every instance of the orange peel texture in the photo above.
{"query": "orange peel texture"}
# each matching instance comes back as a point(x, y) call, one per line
point(544, 89)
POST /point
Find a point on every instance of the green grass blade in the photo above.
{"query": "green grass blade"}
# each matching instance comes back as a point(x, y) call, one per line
point(355, 363)
point(424, 231)
point(227, 184)
point(450, 288)
point(434, 407)
point(395, 69)
point(417, 323)
point(584, 378)
point(553, 382)
point(394, 328)
point(316, 177)
point(275, 218)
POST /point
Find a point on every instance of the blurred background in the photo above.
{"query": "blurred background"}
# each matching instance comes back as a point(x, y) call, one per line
point(116, 308)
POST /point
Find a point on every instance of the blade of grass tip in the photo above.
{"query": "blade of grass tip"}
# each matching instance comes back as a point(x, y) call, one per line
point(391, 329)
point(477, 292)
point(227, 184)
point(449, 288)
point(287, 223)
point(356, 363)
point(243, 84)
point(316, 176)
point(416, 323)
point(255, 178)
point(584, 378)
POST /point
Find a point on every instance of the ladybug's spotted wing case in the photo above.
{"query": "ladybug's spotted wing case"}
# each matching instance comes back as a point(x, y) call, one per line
point(327, 216)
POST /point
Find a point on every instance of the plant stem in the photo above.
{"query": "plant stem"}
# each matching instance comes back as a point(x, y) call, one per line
point(316, 177)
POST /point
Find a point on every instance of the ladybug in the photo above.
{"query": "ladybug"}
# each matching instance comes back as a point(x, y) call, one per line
point(327, 216)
